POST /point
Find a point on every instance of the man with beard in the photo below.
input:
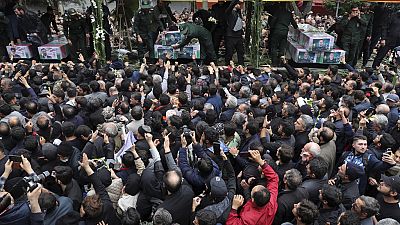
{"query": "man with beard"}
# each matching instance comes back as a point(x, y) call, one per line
point(31, 28)
point(347, 180)
point(302, 127)
point(389, 187)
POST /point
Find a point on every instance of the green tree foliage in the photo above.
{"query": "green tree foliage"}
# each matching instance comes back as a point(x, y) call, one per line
point(344, 6)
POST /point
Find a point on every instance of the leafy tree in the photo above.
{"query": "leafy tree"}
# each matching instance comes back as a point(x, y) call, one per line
point(344, 5)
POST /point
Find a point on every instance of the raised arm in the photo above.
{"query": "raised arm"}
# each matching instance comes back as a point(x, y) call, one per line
point(94, 179)
point(168, 155)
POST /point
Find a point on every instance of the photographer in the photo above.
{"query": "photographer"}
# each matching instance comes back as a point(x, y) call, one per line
point(206, 167)
point(98, 207)
point(25, 212)
point(99, 145)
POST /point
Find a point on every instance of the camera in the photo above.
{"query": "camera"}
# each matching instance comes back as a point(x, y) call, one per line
point(186, 133)
point(32, 182)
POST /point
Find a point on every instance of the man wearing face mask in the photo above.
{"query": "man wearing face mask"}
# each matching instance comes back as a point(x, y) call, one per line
point(69, 156)
point(390, 37)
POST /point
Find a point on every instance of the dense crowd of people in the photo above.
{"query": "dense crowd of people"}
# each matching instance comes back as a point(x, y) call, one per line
point(172, 143)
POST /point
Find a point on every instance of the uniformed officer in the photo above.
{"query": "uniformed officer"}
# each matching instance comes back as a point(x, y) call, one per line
point(279, 21)
point(390, 38)
point(366, 33)
point(147, 25)
point(165, 13)
point(5, 35)
point(76, 31)
point(192, 30)
point(352, 26)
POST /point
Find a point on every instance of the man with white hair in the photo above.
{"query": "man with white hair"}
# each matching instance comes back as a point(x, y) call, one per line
point(309, 151)
point(302, 127)
point(229, 109)
point(388, 221)
point(113, 94)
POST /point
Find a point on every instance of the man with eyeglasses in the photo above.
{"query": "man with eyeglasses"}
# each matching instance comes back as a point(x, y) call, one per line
point(352, 30)
point(389, 189)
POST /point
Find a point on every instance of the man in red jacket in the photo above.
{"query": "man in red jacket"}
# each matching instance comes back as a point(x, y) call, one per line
point(261, 209)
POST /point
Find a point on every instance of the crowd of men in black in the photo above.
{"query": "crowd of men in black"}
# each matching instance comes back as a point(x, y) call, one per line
point(196, 144)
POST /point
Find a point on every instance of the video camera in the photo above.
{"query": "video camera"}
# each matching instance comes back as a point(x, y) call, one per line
point(31, 182)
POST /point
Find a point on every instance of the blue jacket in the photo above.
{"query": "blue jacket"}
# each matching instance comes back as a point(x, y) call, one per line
point(192, 175)
point(21, 214)
point(393, 116)
point(369, 162)
point(216, 101)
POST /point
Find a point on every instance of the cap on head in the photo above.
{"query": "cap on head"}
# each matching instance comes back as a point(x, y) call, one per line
point(393, 182)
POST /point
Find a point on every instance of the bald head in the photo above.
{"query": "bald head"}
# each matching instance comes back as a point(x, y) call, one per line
point(43, 122)
point(325, 134)
point(254, 100)
point(172, 180)
point(113, 91)
point(243, 107)
point(14, 121)
point(382, 109)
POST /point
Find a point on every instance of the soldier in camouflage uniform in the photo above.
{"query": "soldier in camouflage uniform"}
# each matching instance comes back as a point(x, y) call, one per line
point(352, 26)
point(76, 31)
point(147, 25)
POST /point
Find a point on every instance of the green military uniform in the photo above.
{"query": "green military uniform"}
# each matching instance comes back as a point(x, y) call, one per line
point(279, 21)
point(352, 34)
point(147, 24)
point(366, 31)
point(75, 30)
point(190, 31)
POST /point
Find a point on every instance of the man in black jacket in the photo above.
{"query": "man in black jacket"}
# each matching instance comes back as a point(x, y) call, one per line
point(291, 195)
point(30, 25)
point(49, 19)
point(331, 207)
point(179, 197)
point(279, 22)
point(302, 127)
point(234, 32)
point(390, 37)
point(316, 171)
point(218, 12)
point(347, 180)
